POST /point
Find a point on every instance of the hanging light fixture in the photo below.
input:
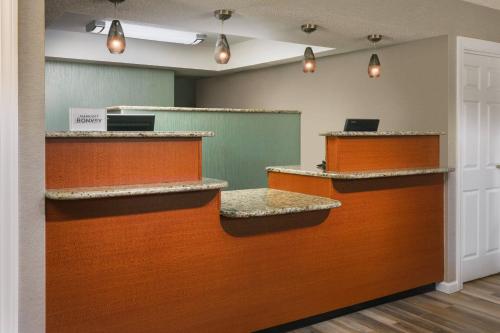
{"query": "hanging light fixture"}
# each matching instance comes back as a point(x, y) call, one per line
point(374, 67)
point(222, 52)
point(309, 63)
point(116, 38)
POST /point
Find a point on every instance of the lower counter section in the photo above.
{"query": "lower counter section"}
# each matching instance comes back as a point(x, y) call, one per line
point(169, 263)
point(387, 237)
point(133, 264)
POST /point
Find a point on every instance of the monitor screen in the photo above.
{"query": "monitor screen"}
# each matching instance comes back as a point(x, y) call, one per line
point(361, 125)
point(131, 122)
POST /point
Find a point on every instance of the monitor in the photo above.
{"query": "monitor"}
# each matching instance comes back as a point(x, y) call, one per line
point(361, 125)
point(131, 122)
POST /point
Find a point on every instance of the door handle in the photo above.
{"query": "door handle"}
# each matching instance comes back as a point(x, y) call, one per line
point(498, 166)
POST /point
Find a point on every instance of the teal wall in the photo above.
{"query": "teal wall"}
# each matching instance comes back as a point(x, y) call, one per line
point(244, 143)
point(71, 84)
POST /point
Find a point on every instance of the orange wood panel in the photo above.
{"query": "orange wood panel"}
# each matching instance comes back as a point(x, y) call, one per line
point(169, 263)
point(388, 236)
point(302, 184)
point(133, 264)
point(87, 162)
point(381, 152)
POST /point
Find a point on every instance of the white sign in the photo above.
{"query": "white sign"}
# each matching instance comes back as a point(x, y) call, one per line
point(87, 119)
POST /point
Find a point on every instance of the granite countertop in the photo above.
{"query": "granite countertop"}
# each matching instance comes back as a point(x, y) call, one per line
point(267, 202)
point(305, 171)
point(382, 133)
point(134, 190)
point(169, 108)
point(117, 134)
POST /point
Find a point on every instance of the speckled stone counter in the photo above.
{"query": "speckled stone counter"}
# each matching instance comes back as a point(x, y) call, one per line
point(382, 133)
point(267, 202)
point(131, 134)
point(162, 108)
point(305, 171)
point(134, 190)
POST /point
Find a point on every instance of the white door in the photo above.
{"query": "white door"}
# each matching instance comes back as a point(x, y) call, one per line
point(480, 161)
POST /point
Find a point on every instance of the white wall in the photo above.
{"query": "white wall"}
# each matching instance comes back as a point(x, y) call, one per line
point(9, 165)
point(412, 93)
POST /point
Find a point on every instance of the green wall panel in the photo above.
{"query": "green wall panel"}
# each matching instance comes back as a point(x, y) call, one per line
point(70, 84)
point(185, 91)
point(244, 143)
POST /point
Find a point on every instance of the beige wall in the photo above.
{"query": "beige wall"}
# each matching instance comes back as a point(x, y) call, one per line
point(411, 94)
point(404, 98)
point(31, 167)
point(340, 93)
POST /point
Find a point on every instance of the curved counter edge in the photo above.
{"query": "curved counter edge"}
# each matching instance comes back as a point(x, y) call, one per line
point(134, 190)
point(382, 133)
point(351, 175)
point(269, 202)
point(131, 134)
point(187, 109)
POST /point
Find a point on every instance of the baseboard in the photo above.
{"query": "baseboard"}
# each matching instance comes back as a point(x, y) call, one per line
point(347, 310)
point(448, 287)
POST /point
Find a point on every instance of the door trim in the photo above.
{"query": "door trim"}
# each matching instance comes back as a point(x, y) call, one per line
point(9, 161)
point(480, 47)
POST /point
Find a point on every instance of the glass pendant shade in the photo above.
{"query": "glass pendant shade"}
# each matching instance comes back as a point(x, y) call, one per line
point(309, 64)
point(374, 67)
point(222, 52)
point(116, 38)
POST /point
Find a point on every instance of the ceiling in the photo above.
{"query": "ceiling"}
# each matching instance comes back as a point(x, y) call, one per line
point(343, 24)
point(76, 23)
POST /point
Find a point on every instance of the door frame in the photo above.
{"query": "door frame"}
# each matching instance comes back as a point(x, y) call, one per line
point(480, 47)
point(9, 162)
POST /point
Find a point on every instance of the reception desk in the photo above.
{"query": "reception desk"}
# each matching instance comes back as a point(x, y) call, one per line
point(388, 235)
point(139, 241)
point(135, 240)
point(116, 207)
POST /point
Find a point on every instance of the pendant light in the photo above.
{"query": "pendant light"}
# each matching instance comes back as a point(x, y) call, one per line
point(116, 38)
point(222, 52)
point(309, 63)
point(374, 67)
